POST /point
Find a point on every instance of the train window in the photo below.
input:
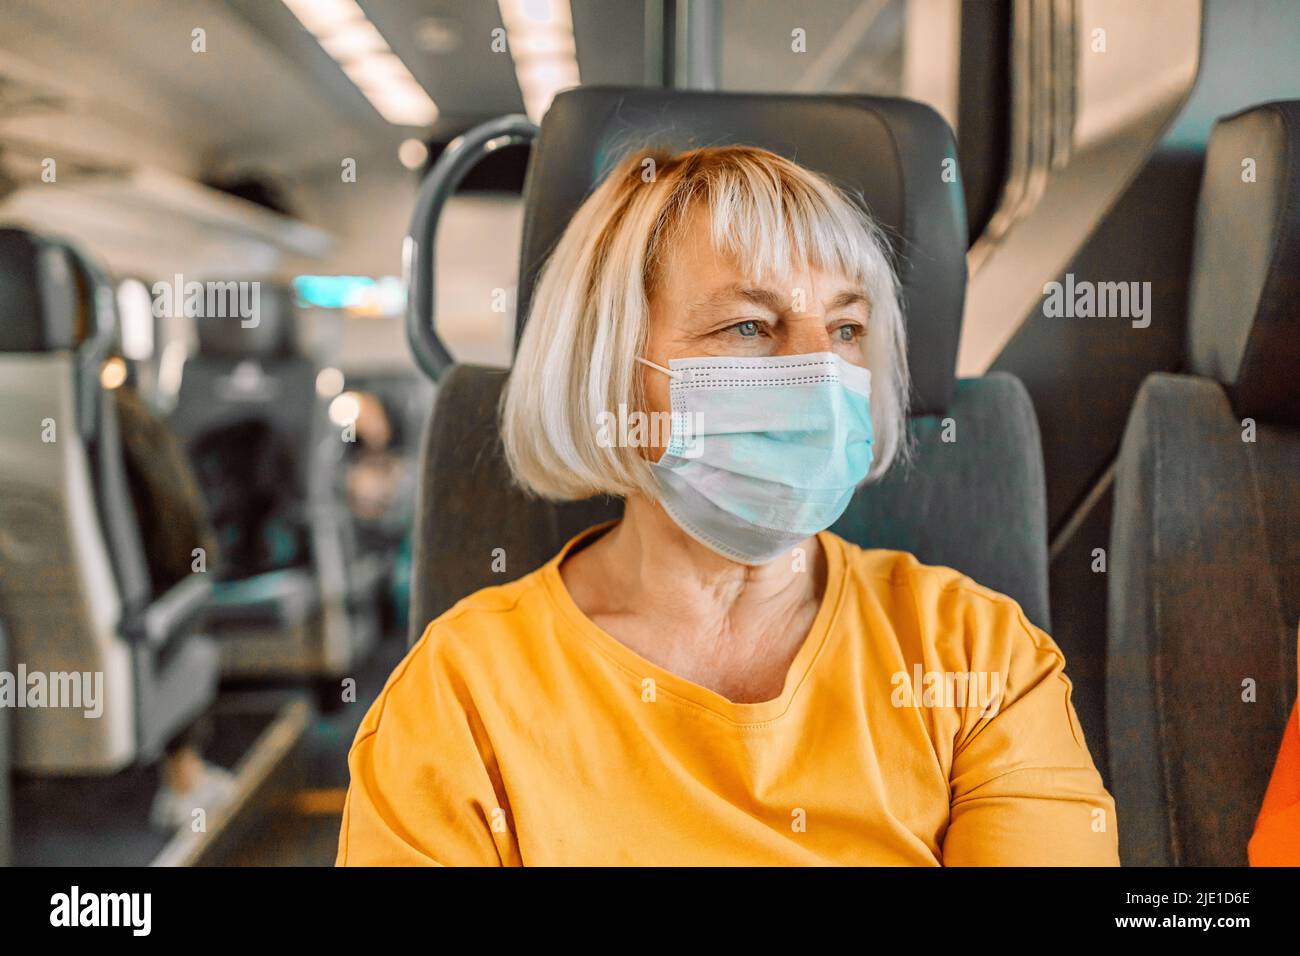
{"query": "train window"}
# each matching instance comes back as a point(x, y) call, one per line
point(950, 55)
point(135, 310)
point(842, 46)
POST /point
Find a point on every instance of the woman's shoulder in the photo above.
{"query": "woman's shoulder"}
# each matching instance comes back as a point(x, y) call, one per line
point(498, 610)
point(944, 606)
point(901, 569)
point(477, 642)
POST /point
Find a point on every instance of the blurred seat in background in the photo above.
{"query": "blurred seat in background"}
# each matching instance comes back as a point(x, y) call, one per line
point(296, 599)
point(76, 595)
point(1204, 583)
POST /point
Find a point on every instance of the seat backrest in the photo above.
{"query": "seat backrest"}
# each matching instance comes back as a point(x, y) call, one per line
point(871, 145)
point(975, 503)
point(250, 418)
point(239, 373)
point(1204, 580)
point(71, 563)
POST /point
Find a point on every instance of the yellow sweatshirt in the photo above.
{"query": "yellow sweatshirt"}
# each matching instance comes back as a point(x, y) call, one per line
point(924, 721)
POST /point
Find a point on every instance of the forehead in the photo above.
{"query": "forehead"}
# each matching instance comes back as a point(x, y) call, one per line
point(692, 267)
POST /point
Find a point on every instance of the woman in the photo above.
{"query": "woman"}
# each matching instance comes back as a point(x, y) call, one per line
point(716, 679)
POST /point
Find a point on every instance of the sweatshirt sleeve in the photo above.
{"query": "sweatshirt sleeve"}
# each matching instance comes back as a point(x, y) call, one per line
point(421, 793)
point(1276, 840)
point(1024, 790)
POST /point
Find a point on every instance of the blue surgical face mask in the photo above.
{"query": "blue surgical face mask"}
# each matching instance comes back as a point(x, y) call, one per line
point(763, 452)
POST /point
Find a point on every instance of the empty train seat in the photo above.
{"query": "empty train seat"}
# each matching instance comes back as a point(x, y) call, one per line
point(1204, 585)
point(292, 599)
point(121, 664)
point(976, 504)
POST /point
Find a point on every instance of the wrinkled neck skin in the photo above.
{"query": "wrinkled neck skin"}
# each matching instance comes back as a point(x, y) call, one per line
point(647, 566)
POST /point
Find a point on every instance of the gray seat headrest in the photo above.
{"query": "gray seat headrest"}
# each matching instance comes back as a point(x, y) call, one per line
point(1244, 321)
point(246, 320)
point(891, 151)
point(42, 300)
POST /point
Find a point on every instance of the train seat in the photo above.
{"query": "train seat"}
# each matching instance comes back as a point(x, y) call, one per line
point(76, 598)
point(1204, 582)
point(293, 601)
point(973, 497)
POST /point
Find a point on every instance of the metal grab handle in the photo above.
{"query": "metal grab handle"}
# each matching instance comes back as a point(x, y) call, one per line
point(418, 266)
point(98, 344)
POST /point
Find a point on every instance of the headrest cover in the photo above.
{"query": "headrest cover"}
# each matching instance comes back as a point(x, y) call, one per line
point(238, 319)
point(42, 305)
point(1244, 320)
point(890, 151)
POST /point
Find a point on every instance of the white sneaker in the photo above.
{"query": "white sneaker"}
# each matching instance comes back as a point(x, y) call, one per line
point(173, 810)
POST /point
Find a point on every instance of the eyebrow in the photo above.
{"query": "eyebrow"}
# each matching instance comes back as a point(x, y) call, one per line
point(769, 299)
point(850, 297)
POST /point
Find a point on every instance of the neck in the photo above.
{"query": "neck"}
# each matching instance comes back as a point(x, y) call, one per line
point(651, 558)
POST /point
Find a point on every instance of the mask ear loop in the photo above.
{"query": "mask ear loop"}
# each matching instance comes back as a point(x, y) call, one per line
point(667, 371)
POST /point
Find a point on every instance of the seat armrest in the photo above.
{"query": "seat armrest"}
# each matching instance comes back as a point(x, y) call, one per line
point(172, 612)
point(366, 577)
point(280, 598)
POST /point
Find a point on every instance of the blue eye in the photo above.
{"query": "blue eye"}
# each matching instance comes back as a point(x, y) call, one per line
point(848, 333)
point(748, 330)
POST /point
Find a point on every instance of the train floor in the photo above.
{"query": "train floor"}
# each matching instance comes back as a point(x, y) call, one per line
point(299, 823)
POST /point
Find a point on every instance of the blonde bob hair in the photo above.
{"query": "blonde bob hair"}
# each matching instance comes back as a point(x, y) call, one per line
point(590, 307)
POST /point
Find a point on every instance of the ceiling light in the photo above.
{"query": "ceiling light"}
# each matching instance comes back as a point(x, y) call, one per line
point(374, 71)
point(542, 12)
point(343, 31)
point(135, 314)
point(403, 105)
point(113, 373)
point(353, 39)
point(412, 153)
point(540, 36)
point(322, 16)
point(329, 382)
point(345, 408)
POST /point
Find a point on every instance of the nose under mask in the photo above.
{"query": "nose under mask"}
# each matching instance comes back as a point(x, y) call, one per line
point(763, 452)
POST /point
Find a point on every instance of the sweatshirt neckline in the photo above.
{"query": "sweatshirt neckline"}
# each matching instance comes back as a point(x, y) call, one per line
point(747, 713)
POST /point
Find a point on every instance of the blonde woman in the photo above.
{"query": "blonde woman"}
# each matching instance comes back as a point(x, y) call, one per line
point(716, 679)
